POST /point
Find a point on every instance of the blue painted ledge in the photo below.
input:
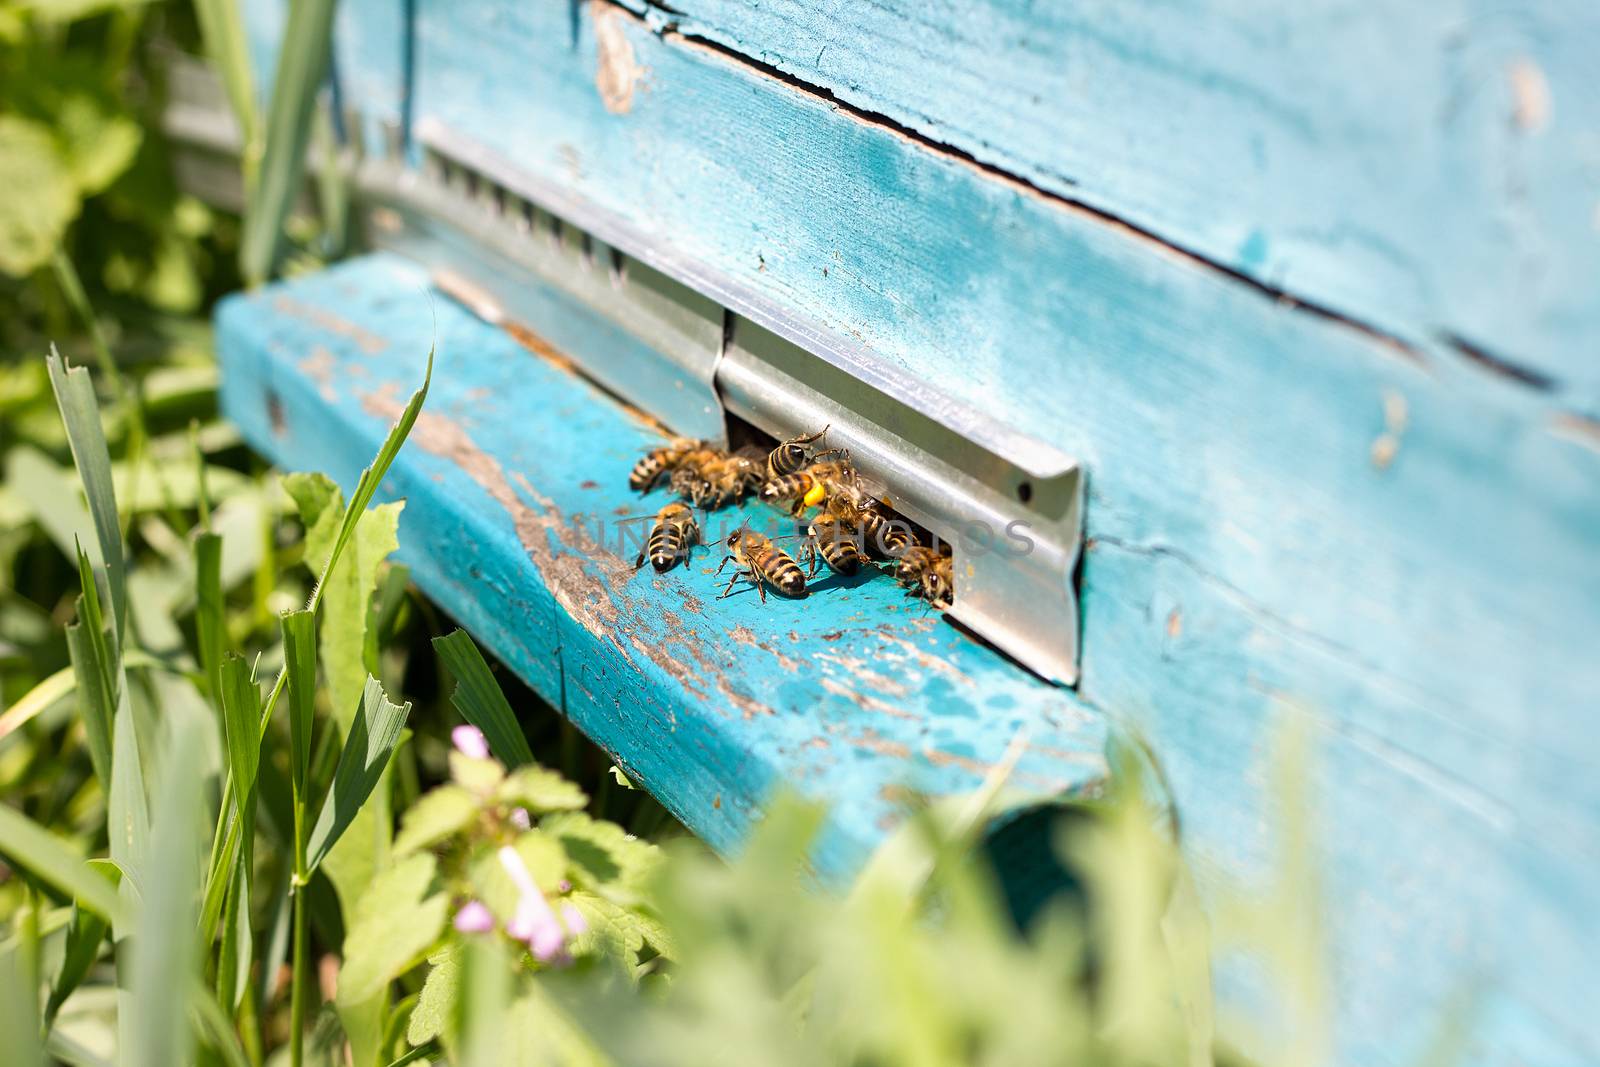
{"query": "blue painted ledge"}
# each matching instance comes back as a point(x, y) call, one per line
point(850, 696)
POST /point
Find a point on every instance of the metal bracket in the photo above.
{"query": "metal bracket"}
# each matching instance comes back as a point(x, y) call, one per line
point(499, 240)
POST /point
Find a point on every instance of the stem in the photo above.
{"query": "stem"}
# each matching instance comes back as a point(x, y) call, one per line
point(297, 902)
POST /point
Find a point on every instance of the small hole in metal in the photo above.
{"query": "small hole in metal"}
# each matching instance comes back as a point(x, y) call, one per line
point(1024, 491)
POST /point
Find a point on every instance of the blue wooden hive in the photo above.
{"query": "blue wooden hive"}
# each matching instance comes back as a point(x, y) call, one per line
point(1291, 312)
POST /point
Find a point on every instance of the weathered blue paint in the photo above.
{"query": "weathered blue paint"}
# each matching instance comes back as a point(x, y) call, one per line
point(1284, 512)
point(1428, 168)
point(845, 696)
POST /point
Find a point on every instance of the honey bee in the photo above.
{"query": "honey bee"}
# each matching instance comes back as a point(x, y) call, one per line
point(659, 461)
point(831, 477)
point(719, 482)
point(835, 536)
point(886, 538)
point(763, 563)
point(927, 573)
point(671, 536)
point(793, 454)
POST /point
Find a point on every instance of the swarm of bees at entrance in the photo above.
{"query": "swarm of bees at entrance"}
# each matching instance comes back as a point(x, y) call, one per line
point(799, 474)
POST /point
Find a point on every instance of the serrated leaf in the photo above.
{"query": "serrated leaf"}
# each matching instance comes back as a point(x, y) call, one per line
point(397, 920)
point(346, 591)
point(40, 198)
point(436, 1007)
point(480, 699)
point(366, 752)
point(540, 790)
point(604, 857)
point(436, 815)
point(481, 776)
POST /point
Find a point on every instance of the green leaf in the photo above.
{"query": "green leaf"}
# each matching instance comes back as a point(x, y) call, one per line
point(234, 958)
point(397, 921)
point(222, 31)
point(480, 700)
point(85, 935)
point(541, 790)
point(128, 808)
point(366, 752)
point(33, 848)
point(210, 624)
point(346, 590)
point(302, 60)
point(40, 198)
point(81, 414)
point(39, 482)
point(436, 815)
point(436, 1007)
point(96, 705)
point(19, 1013)
point(604, 857)
point(373, 476)
point(99, 144)
point(300, 661)
point(165, 958)
point(241, 717)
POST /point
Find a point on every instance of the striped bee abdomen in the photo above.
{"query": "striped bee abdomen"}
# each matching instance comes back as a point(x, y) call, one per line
point(673, 533)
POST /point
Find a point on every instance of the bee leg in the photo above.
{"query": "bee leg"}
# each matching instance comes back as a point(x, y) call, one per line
point(761, 587)
point(729, 588)
point(639, 562)
point(724, 566)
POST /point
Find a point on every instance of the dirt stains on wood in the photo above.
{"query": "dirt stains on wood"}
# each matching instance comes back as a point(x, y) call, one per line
point(369, 343)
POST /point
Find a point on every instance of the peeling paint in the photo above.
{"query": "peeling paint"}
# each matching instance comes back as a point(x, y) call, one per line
point(616, 73)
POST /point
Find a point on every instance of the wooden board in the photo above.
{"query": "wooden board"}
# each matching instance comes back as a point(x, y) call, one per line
point(515, 481)
point(1430, 169)
point(1288, 513)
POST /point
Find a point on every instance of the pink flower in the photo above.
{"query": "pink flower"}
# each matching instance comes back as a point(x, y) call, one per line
point(469, 741)
point(533, 921)
point(520, 819)
point(576, 923)
point(474, 918)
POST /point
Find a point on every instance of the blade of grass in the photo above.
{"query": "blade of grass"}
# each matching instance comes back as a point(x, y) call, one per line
point(372, 477)
point(222, 31)
point(95, 704)
point(228, 829)
point(210, 624)
point(18, 1019)
point(300, 660)
point(165, 956)
point(480, 699)
point(300, 665)
point(366, 753)
point(302, 62)
point(35, 849)
point(241, 709)
point(79, 411)
point(84, 937)
point(50, 689)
